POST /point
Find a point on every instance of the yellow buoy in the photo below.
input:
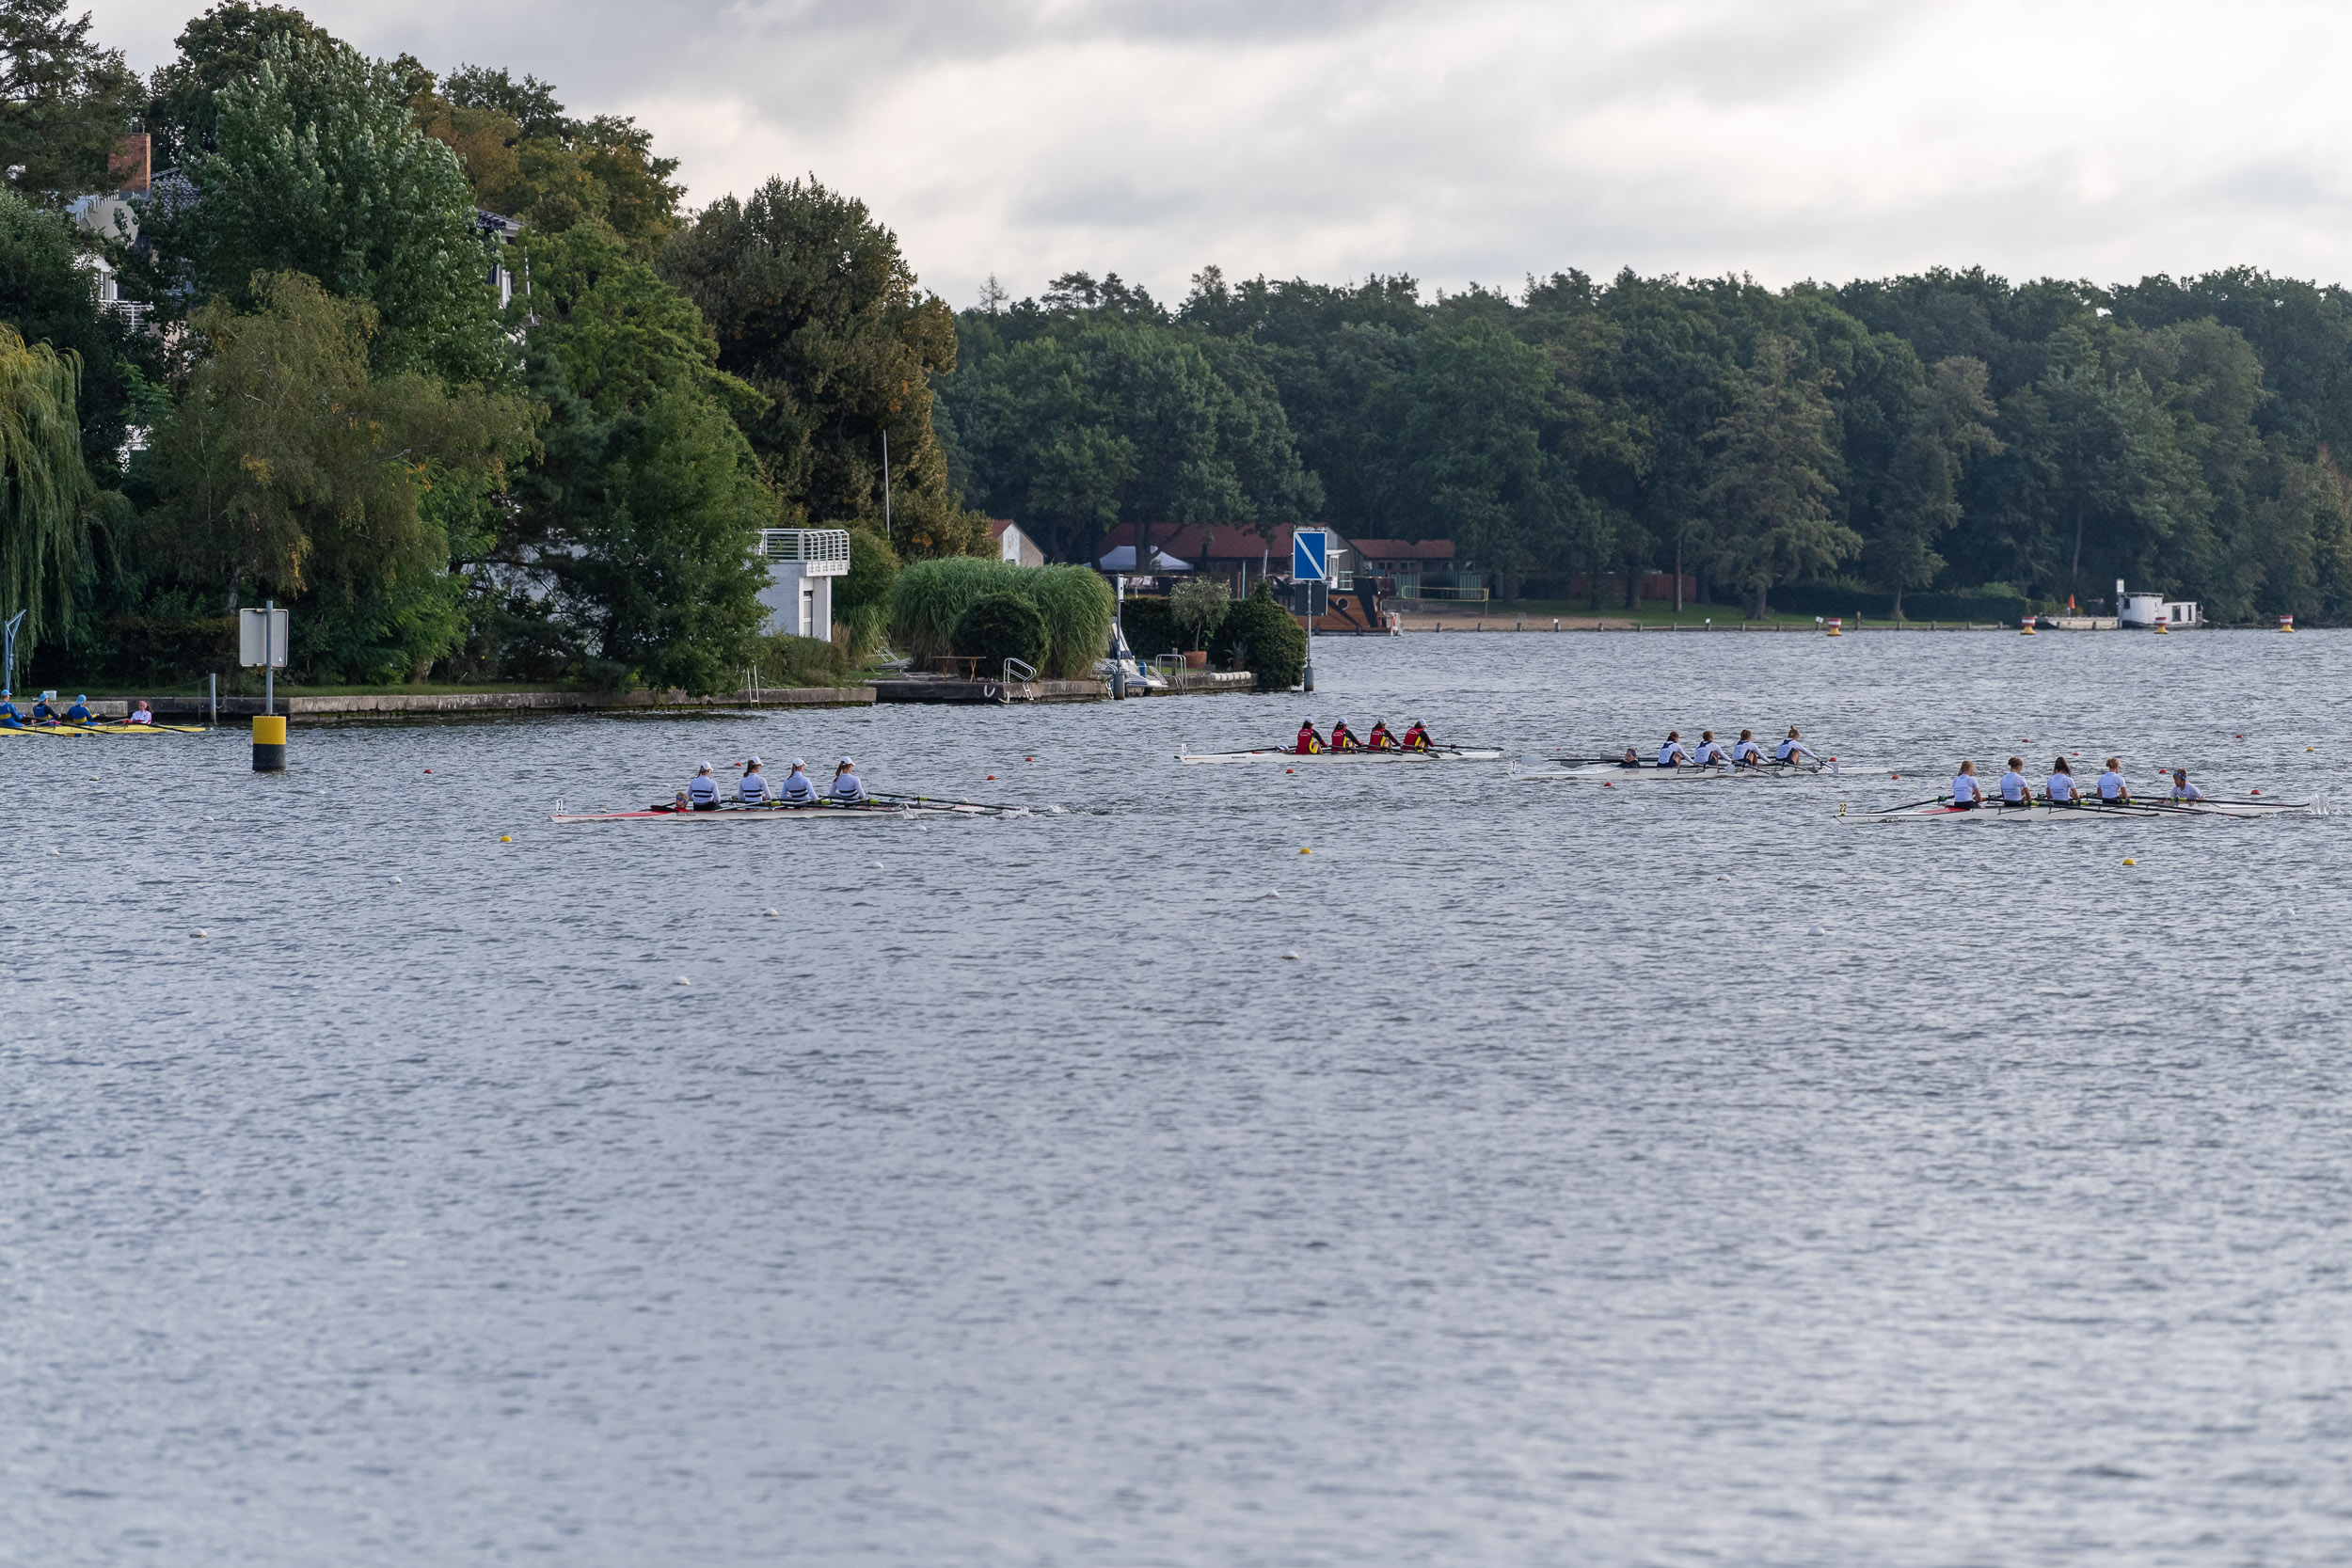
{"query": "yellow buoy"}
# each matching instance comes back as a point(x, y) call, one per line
point(2131, 862)
point(1306, 851)
point(2027, 630)
point(507, 838)
point(2162, 629)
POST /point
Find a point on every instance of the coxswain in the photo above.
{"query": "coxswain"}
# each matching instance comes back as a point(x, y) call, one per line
point(2016, 789)
point(751, 788)
point(1344, 738)
point(2113, 791)
point(1672, 754)
point(1417, 739)
point(847, 790)
point(1710, 755)
point(2059, 785)
point(1309, 742)
point(1747, 754)
point(1632, 758)
point(1380, 740)
point(1968, 795)
point(702, 790)
point(141, 714)
point(1794, 748)
point(79, 713)
point(799, 789)
point(2183, 790)
point(677, 802)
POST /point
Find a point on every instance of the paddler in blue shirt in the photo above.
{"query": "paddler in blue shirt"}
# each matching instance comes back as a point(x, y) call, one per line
point(847, 791)
point(79, 713)
point(752, 789)
point(42, 712)
point(1672, 754)
point(1966, 793)
point(9, 718)
point(1747, 754)
point(2016, 789)
point(702, 790)
point(2113, 791)
point(798, 788)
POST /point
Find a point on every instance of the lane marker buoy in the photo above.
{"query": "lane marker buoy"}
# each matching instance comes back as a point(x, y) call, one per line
point(2128, 862)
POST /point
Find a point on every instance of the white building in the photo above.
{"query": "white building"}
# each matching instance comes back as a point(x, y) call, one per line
point(2145, 612)
point(1015, 546)
point(802, 564)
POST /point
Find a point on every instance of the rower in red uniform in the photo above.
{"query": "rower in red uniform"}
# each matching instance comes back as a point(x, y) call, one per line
point(1380, 740)
point(1344, 738)
point(1416, 738)
point(1309, 742)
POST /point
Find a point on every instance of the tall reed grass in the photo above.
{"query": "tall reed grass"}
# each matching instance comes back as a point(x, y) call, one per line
point(930, 596)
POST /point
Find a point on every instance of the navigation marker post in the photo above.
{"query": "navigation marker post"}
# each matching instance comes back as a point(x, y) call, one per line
point(1311, 564)
point(7, 654)
point(262, 640)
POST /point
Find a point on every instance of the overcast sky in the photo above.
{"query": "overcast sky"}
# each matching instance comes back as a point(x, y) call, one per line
point(1474, 139)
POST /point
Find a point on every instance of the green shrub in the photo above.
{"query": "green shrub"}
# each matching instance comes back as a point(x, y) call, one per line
point(1199, 604)
point(1260, 636)
point(999, 627)
point(873, 567)
point(929, 597)
point(787, 659)
point(1078, 606)
point(1151, 628)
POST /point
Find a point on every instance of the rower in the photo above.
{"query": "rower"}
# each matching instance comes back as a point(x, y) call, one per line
point(1309, 742)
point(1344, 738)
point(9, 718)
point(2060, 787)
point(79, 713)
point(1417, 739)
point(1794, 749)
point(141, 714)
point(1966, 793)
point(752, 789)
point(2016, 790)
point(1710, 753)
point(1380, 740)
point(847, 790)
point(1672, 754)
point(798, 788)
point(2183, 790)
point(1747, 754)
point(42, 712)
point(702, 790)
point(2113, 791)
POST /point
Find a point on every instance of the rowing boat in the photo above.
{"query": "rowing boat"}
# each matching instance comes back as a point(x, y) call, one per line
point(1436, 754)
point(2139, 811)
point(1618, 773)
point(871, 811)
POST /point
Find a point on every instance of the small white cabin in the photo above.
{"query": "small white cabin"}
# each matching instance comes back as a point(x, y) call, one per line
point(802, 564)
point(2146, 612)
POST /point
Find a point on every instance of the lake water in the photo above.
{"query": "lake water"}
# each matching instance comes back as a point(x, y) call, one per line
point(1010, 1198)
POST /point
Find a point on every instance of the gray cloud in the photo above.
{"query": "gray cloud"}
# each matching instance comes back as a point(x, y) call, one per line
point(1485, 139)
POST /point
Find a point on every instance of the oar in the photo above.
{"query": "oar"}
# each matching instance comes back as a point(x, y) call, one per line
point(942, 801)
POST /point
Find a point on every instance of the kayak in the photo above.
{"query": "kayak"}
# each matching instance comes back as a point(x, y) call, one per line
point(2089, 811)
point(870, 810)
point(1436, 754)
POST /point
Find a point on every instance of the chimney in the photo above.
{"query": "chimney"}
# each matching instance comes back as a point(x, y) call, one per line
point(126, 166)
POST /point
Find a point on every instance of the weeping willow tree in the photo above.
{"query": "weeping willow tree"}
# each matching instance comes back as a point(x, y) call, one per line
point(45, 494)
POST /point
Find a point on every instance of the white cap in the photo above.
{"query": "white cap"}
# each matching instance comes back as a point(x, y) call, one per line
point(796, 763)
point(847, 762)
point(704, 768)
point(753, 763)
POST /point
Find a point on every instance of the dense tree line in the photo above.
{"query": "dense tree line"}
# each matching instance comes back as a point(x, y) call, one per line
point(1950, 431)
point(333, 406)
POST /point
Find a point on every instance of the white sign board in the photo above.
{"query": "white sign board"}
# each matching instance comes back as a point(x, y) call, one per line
point(1311, 554)
point(261, 638)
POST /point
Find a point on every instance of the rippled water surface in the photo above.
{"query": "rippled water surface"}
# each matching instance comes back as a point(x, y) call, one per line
point(1010, 1198)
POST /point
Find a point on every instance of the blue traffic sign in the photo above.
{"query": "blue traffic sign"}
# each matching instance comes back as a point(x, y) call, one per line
point(1311, 554)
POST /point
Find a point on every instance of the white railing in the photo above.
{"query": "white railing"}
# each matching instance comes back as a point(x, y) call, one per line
point(822, 552)
point(1019, 669)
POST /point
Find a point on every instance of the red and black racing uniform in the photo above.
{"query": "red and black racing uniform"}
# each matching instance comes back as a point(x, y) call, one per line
point(1380, 740)
point(1344, 739)
point(1309, 742)
point(1416, 739)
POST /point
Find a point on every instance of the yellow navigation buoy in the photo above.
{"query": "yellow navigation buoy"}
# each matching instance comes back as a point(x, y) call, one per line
point(2131, 862)
point(2163, 630)
point(2286, 622)
point(1304, 851)
point(2028, 630)
point(507, 838)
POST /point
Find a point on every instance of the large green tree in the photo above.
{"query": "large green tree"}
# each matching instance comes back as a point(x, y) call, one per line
point(46, 497)
point(318, 169)
point(222, 46)
point(47, 298)
point(814, 304)
point(290, 470)
point(643, 514)
point(1948, 420)
point(64, 102)
point(1777, 448)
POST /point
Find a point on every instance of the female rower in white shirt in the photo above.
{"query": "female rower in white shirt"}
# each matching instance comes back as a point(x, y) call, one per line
point(2059, 785)
point(1711, 754)
point(2016, 789)
point(2183, 790)
point(752, 789)
point(1794, 749)
point(799, 789)
point(847, 791)
point(1672, 754)
point(1967, 794)
point(1747, 754)
point(2113, 791)
point(702, 790)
